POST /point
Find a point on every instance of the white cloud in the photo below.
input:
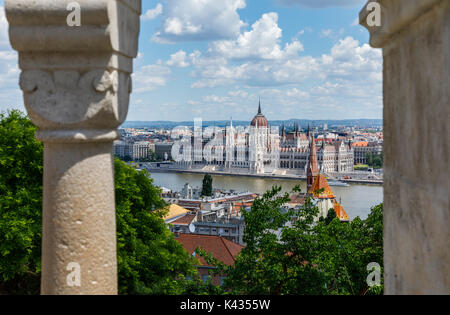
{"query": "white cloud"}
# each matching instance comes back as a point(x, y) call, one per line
point(186, 20)
point(239, 93)
point(153, 13)
point(215, 99)
point(218, 72)
point(151, 77)
point(326, 33)
point(10, 94)
point(347, 60)
point(296, 93)
point(261, 42)
point(344, 82)
point(178, 60)
point(4, 42)
point(323, 3)
point(257, 59)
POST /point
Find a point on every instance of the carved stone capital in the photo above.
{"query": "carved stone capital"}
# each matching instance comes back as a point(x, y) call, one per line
point(75, 79)
point(395, 16)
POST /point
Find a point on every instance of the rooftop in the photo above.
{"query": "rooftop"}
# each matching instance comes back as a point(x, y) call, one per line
point(319, 184)
point(175, 211)
point(185, 220)
point(222, 249)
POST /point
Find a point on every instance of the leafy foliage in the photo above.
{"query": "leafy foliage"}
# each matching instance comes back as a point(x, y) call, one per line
point(150, 260)
point(361, 167)
point(207, 186)
point(331, 215)
point(374, 160)
point(290, 252)
point(197, 286)
point(21, 160)
point(287, 252)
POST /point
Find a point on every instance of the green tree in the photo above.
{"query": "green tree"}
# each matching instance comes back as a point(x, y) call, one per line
point(207, 186)
point(374, 160)
point(289, 252)
point(197, 286)
point(150, 158)
point(331, 215)
point(150, 260)
point(127, 158)
point(378, 161)
point(21, 160)
point(369, 158)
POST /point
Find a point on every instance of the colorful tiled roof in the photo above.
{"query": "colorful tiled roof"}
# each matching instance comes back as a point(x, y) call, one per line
point(319, 184)
point(186, 220)
point(175, 211)
point(239, 205)
point(260, 120)
point(340, 212)
point(296, 200)
point(222, 249)
point(360, 144)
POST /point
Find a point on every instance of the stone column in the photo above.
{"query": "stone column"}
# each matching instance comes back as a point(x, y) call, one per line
point(415, 37)
point(76, 84)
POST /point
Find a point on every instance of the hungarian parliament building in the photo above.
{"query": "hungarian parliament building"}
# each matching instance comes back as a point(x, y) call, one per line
point(260, 149)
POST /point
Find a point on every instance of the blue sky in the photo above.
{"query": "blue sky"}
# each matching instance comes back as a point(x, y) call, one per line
point(213, 59)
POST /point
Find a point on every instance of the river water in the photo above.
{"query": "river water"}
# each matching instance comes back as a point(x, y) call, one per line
point(357, 199)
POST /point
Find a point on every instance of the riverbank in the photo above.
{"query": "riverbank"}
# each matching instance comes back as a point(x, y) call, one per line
point(357, 199)
point(261, 176)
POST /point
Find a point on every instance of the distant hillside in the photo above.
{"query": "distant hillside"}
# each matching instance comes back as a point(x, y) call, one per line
point(289, 123)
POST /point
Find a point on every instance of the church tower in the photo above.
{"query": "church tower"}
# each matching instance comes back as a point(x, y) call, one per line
point(259, 141)
point(311, 170)
point(230, 145)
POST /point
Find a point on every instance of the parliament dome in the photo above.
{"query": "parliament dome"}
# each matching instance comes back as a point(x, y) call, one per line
point(260, 120)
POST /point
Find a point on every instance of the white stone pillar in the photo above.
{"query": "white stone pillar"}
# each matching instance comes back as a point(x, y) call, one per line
point(76, 84)
point(415, 37)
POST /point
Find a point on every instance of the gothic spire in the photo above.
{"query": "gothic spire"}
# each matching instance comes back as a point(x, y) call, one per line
point(323, 155)
point(312, 169)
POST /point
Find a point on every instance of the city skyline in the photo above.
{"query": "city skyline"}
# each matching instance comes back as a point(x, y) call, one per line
point(325, 175)
point(289, 122)
point(304, 59)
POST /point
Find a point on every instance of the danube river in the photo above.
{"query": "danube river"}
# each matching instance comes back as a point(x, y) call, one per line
point(357, 199)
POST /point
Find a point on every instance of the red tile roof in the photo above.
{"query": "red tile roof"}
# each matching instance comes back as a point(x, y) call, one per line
point(296, 200)
point(360, 144)
point(319, 184)
point(340, 212)
point(221, 248)
point(239, 205)
point(186, 220)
